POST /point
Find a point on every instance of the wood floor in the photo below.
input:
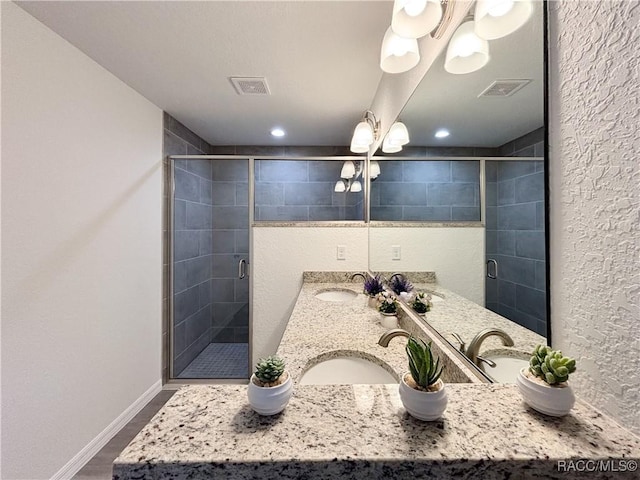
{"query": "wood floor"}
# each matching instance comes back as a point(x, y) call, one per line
point(99, 467)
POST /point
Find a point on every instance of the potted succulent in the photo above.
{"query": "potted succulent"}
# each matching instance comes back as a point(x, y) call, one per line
point(400, 285)
point(421, 303)
point(543, 385)
point(372, 287)
point(421, 389)
point(270, 387)
point(388, 308)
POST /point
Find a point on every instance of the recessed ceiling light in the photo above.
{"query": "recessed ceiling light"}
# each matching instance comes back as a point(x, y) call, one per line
point(278, 132)
point(442, 133)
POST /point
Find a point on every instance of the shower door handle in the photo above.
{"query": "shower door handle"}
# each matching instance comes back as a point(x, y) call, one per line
point(242, 268)
point(493, 275)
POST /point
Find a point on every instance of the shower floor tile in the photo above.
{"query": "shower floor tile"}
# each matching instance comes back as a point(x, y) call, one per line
point(220, 360)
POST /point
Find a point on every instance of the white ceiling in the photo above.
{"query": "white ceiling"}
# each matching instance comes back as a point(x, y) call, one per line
point(320, 59)
point(443, 100)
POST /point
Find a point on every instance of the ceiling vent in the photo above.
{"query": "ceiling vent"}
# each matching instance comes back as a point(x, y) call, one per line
point(503, 88)
point(250, 85)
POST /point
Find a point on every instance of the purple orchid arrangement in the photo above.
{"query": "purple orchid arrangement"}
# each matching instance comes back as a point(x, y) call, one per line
point(400, 284)
point(373, 286)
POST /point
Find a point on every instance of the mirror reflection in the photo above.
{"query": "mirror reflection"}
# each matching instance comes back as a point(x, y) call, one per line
point(465, 198)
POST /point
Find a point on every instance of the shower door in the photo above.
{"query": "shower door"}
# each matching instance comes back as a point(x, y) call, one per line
point(515, 242)
point(210, 276)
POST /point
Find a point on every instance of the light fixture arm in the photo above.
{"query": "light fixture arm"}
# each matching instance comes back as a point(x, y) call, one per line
point(370, 118)
point(445, 21)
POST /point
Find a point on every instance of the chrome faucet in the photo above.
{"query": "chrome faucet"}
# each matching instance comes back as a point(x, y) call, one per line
point(389, 334)
point(398, 274)
point(474, 347)
point(358, 274)
point(462, 345)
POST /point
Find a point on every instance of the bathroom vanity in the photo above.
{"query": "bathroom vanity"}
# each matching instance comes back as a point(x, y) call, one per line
point(362, 430)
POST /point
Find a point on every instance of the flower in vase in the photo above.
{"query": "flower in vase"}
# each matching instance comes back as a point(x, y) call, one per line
point(373, 286)
point(421, 303)
point(387, 302)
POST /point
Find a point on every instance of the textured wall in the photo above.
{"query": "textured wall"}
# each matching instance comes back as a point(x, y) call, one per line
point(595, 179)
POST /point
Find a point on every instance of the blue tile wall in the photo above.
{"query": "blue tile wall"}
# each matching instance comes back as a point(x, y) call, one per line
point(427, 190)
point(515, 234)
point(230, 236)
point(303, 190)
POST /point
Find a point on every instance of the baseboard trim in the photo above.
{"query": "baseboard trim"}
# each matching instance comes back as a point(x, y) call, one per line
point(74, 465)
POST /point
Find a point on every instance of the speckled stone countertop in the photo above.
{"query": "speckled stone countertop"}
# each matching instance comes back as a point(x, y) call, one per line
point(318, 330)
point(362, 431)
point(456, 314)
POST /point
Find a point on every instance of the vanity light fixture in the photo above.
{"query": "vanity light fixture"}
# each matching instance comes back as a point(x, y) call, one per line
point(396, 137)
point(415, 18)
point(341, 186)
point(398, 54)
point(365, 133)
point(388, 147)
point(498, 18)
point(278, 132)
point(374, 169)
point(348, 169)
point(467, 52)
point(346, 185)
point(398, 134)
point(442, 133)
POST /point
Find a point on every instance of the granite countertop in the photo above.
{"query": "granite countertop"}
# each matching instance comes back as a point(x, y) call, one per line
point(318, 330)
point(362, 431)
point(456, 314)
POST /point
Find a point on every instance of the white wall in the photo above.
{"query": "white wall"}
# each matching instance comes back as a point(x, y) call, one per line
point(595, 197)
point(455, 254)
point(81, 251)
point(279, 257)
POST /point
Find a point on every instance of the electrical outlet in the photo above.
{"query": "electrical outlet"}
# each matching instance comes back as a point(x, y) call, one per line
point(395, 252)
point(341, 252)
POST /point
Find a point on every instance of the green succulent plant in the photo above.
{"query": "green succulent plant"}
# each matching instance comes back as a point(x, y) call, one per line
point(269, 369)
point(550, 365)
point(424, 370)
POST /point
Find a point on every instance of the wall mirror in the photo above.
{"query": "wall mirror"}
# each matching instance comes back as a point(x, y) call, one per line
point(470, 205)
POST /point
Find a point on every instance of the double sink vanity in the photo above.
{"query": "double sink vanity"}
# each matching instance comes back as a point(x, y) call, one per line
point(346, 420)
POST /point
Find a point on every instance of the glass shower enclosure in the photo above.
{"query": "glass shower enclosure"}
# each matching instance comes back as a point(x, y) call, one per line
point(515, 242)
point(209, 328)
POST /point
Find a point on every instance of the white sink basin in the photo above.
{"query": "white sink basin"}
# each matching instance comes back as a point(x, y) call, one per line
point(506, 369)
point(346, 371)
point(435, 298)
point(336, 295)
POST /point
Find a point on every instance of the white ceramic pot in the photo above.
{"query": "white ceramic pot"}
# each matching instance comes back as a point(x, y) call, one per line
point(423, 405)
point(269, 400)
point(556, 401)
point(372, 302)
point(389, 320)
